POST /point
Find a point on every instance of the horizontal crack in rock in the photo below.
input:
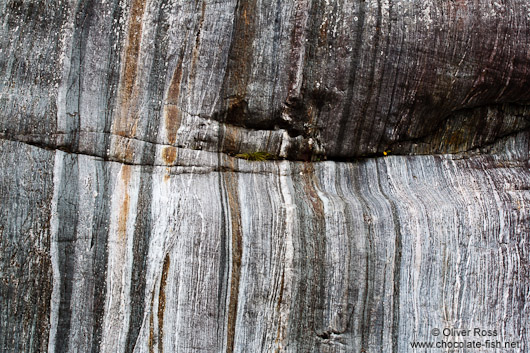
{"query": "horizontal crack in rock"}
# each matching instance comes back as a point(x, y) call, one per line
point(49, 142)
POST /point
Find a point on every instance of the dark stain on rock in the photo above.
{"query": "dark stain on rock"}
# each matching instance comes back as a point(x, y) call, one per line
point(100, 256)
point(237, 113)
point(352, 78)
point(240, 57)
point(141, 240)
point(67, 208)
point(297, 46)
point(468, 129)
point(195, 53)
point(231, 139)
point(302, 111)
point(323, 32)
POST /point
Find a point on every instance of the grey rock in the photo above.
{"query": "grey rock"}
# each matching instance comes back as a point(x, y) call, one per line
point(396, 200)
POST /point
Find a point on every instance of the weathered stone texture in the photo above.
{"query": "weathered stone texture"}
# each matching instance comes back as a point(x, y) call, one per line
point(398, 201)
point(26, 190)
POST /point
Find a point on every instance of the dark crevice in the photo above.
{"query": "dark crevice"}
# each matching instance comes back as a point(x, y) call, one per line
point(458, 128)
point(106, 158)
point(294, 117)
point(329, 334)
point(48, 142)
point(473, 149)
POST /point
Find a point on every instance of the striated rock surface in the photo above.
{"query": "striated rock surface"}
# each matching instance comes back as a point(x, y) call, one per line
point(397, 200)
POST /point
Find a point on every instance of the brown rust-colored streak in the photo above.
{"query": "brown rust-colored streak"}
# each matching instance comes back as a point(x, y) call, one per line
point(167, 175)
point(124, 208)
point(133, 45)
point(174, 87)
point(231, 138)
point(151, 340)
point(124, 147)
point(323, 32)
point(126, 121)
point(173, 118)
point(169, 155)
point(241, 53)
point(172, 113)
point(237, 253)
point(162, 303)
point(309, 184)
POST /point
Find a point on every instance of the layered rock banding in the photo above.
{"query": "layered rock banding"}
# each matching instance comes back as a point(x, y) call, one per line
point(396, 199)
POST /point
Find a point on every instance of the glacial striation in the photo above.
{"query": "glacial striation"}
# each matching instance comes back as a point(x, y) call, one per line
point(394, 199)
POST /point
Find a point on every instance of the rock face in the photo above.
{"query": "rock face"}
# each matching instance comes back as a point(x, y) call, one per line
point(396, 201)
